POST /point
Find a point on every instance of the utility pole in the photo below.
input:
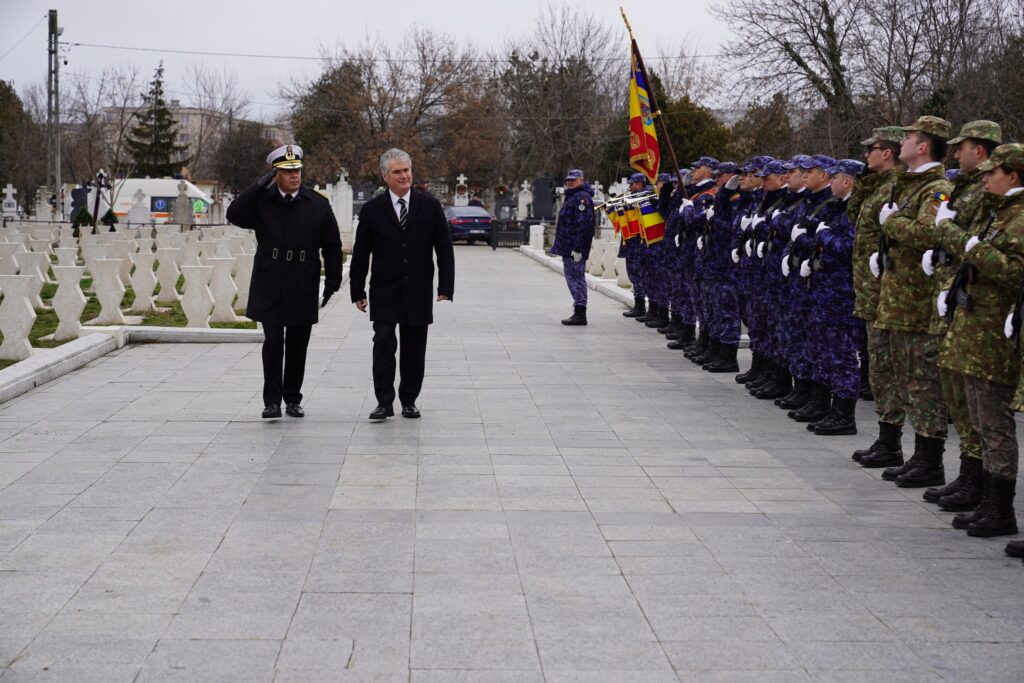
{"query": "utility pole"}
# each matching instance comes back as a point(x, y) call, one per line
point(53, 115)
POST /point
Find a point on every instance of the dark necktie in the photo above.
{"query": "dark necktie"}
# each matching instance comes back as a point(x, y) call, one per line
point(403, 214)
point(288, 199)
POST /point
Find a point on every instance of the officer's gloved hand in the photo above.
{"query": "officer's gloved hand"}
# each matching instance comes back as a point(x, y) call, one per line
point(757, 220)
point(926, 263)
point(733, 183)
point(686, 203)
point(785, 267)
point(805, 269)
point(700, 242)
point(887, 210)
point(823, 226)
point(873, 265)
point(735, 255)
point(328, 293)
point(266, 180)
point(760, 250)
point(1008, 326)
point(940, 303)
point(747, 248)
point(796, 232)
point(944, 212)
point(775, 213)
point(709, 213)
point(577, 256)
point(745, 222)
point(971, 244)
point(688, 177)
point(677, 241)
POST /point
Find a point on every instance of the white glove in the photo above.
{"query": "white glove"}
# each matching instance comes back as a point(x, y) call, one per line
point(577, 256)
point(745, 222)
point(775, 213)
point(758, 220)
point(746, 248)
point(971, 244)
point(796, 232)
point(1008, 326)
point(940, 303)
point(677, 241)
point(805, 269)
point(760, 250)
point(823, 226)
point(732, 183)
point(944, 212)
point(686, 203)
point(926, 263)
point(709, 213)
point(700, 242)
point(785, 266)
point(735, 256)
point(873, 265)
point(887, 210)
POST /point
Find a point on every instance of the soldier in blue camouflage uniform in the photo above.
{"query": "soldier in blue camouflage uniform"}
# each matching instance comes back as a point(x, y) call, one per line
point(574, 233)
point(670, 201)
point(633, 251)
point(835, 333)
point(749, 273)
point(720, 289)
point(693, 211)
point(659, 284)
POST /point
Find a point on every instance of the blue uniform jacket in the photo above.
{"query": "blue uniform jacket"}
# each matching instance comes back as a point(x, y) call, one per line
point(574, 230)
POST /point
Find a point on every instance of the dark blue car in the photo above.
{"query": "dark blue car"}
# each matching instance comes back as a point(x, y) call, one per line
point(470, 223)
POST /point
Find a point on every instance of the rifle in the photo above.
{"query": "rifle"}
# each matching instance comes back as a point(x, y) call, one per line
point(883, 240)
point(1018, 314)
point(966, 274)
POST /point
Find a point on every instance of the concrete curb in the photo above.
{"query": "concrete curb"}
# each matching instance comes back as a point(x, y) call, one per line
point(607, 287)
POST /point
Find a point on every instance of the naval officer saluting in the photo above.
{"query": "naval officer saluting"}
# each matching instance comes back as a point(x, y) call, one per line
point(294, 227)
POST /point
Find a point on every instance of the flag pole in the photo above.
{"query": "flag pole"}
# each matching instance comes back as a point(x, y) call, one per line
point(654, 101)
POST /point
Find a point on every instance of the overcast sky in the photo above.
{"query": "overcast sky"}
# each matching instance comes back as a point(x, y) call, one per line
point(298, 28)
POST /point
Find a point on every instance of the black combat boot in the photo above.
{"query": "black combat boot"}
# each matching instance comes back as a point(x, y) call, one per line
point(646, 315)
point(929, 470)
point(687, 335)
point(764, 377)
point(888, 441)
point(639, 308)
point(816, 408)
point(710, 352)
point(797, 397)
point(726, 361)
point(578, 317)
point(829, 415)
point(998, 517)
point(1015, 549)
point(755, 368)
point(968, 495)
point(672, 326)
point(933, 495)
point(844, 419)
point(780, 385)
point(700, 345)
point(676, 326)
point(660, 318)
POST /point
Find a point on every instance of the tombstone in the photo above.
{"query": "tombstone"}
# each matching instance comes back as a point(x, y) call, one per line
point(623, 277)
point(17, 315)
point(594, 264)
point(341, 204)
point(143, 282)
point(461, 196)
point(145, 245)
point(36, 265)
point(223, 290)
point(537, 236)
point(611, 258)
point(69, 302)
point(243, 278)
point(505, 206)
point(618, 188)
point(67, 238)
point(524, 200)
point(10, 205)
point(139, 213)
point(91, 252)
point(197, 302)
point(109, 290)
point(42, 209)
point(217, 210)
point(544, 198)
point(8, 266)
point(189, 252)
point(67, 256)
point(182, 213)
point(167, 274)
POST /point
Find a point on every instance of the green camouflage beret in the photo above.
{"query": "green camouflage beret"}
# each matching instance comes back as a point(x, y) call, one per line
point(933, 125)
point(979, 130)
point(885, 134)
point(1011, 156)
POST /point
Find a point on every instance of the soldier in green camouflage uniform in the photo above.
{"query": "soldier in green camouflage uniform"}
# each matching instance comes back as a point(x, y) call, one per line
point(882, 157)
point(968, 200)
point(905, 302)
point(976, 346)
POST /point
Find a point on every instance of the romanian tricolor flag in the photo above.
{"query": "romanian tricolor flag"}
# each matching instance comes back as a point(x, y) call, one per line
point(652, 225)
point(644, 155)
point(633, 222)
point(613, 218)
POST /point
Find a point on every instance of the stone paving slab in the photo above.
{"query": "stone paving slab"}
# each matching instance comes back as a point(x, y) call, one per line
point(577, 504)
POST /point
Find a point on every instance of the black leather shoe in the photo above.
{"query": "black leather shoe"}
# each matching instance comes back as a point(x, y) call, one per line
point(294, 409)
point(273, 410)
point(381, 412)
point(410, 411)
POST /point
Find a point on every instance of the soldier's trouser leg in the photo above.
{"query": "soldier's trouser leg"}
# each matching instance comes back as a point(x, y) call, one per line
point(707, 292)
point(726, 313)
point(915, 358)
point(634, 271)
point(816, 351)
point(989, 407)
point(842, 342)
point(954, 391)
point(675, 283)
point(798, 365)
point(882, 376)
point(576, 278)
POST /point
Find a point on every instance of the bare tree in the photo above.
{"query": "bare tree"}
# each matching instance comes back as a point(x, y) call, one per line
point(217, 94)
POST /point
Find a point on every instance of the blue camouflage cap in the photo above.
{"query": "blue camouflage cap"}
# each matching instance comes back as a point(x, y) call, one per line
point(574, 174)
point(850, 167)
point(637, 178)
point(822, 161)
point(802, 161)
point(773, 167)
point(664, 177)
point(760, 161)
point(951, 174)
point(726, 167)
point(710, 162)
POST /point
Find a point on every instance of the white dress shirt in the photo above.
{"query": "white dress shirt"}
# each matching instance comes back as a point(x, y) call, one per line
point(397, 207)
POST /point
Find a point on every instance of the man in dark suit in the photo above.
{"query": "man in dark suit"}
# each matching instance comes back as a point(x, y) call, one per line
point(402, 229)
point(293, 226)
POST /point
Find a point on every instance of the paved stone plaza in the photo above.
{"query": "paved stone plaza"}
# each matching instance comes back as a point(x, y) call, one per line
point(576, 504)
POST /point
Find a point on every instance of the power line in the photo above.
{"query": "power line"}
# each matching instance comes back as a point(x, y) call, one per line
point(34, 27)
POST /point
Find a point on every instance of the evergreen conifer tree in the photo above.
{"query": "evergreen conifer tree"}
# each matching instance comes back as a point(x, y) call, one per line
point(152, 140)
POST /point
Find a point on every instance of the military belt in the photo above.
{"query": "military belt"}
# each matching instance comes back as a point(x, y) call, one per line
point(276, 253)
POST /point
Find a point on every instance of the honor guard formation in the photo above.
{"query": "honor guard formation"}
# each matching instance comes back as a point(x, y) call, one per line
point(889, 279)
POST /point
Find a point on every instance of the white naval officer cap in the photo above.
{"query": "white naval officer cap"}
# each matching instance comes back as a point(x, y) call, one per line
point(286, 157)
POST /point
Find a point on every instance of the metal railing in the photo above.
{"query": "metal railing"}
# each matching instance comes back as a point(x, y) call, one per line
point(509, 234)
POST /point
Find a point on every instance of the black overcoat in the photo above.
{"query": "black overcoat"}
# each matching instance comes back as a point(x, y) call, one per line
point(402, 280)
point(290, 238)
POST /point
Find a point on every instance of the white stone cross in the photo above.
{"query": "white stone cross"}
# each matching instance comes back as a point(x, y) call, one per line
point(68, 302)
point(461, 179)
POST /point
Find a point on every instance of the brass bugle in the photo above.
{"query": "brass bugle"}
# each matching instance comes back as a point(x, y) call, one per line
point(627, 199)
